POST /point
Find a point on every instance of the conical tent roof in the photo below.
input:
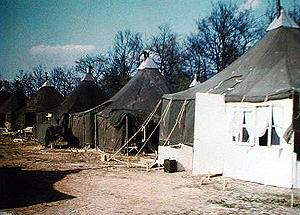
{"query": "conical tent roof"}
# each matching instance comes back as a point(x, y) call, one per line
point(125, 112)
point(14, 102)
point(86, 96)
point(4, 95)
point(270, 70)
point(44, 99)
point(195, 81)
point(142, 92)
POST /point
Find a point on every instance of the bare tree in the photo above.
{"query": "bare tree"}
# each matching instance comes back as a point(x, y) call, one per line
point(6, 84)
point(295, 13)
point(64, 80)
point(171, 56)
point(122, 60)
point(98, 63)
point(31, 81)
point(195, 58)
point(223, 36)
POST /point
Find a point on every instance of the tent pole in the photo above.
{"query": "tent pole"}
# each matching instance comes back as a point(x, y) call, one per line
point(126, 135)
point(295, 123)
point(95, 132)
point(278, 7)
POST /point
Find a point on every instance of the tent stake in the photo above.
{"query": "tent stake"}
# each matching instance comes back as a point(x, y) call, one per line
point(292, 197)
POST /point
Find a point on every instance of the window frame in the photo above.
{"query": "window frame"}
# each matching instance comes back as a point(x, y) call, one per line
point(253, 138)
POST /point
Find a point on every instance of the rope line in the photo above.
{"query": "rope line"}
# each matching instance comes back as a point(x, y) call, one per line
point(158, 124)
point(178, 119)
point(145, 123)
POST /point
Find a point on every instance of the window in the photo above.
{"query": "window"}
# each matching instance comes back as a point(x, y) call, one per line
point(256, 124)
point(241, 125)
point(274, 127)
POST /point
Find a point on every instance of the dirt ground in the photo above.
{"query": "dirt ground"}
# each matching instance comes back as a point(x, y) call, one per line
point(38, 180)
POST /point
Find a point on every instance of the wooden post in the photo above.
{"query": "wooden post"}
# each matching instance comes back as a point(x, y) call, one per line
point(126, 135)
point(95, 131)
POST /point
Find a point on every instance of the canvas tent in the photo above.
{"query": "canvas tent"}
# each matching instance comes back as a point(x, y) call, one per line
point(111, 123)
point(46, 98)
point(87, 95)
point(4, 95)
point(11, 106)
point(269, 71)
point(259, 113)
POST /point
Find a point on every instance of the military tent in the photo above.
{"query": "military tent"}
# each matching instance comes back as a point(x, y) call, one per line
point(4, 95)
point(253, 132)
point(268, 71)
point(86, 96)
point(109, 125)
point(11, 106)
point(35, 110)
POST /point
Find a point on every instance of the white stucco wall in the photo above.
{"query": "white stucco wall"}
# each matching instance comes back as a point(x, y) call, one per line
point(274, 165)
point(182, 154)
point(271, 166)
point(297, 179)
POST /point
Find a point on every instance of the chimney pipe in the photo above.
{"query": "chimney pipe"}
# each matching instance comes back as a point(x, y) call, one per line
point(146, 54)
point(278, 8)
point(89, 69)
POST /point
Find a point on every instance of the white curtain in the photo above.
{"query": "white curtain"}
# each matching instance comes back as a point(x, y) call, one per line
point(237, 121)
point(250, 122)
point(278, 120)
point(229, 119)
point(262, 120)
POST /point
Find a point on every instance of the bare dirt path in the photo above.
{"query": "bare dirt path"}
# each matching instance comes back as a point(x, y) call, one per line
point(35, 180)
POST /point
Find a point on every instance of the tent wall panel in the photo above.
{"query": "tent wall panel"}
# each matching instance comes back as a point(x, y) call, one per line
point(83, 129)
point(77, 125)
point(272, 166)
point(183, 131)
point(109, 138)
point(2, 120)
point(182, 154)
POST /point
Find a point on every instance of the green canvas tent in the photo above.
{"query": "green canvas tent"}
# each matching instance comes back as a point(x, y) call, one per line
point(11, 106)
point(4, 95)
point(109, 125)
point(87, 95)
point(268, 71)
point(46, 98)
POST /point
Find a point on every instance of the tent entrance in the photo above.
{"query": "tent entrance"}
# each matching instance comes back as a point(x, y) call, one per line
point(2, 120)
point(296, 124)
point(30, 119)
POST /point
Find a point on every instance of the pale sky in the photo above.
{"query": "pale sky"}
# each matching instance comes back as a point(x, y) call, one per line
point(58, 32)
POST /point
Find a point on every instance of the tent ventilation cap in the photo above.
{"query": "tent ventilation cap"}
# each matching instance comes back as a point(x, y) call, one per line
point(47, 84)
point(88, 76)
point(148, 64)
point(282, 21)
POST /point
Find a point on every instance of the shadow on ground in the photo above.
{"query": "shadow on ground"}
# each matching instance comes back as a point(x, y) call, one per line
point(21, 188)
